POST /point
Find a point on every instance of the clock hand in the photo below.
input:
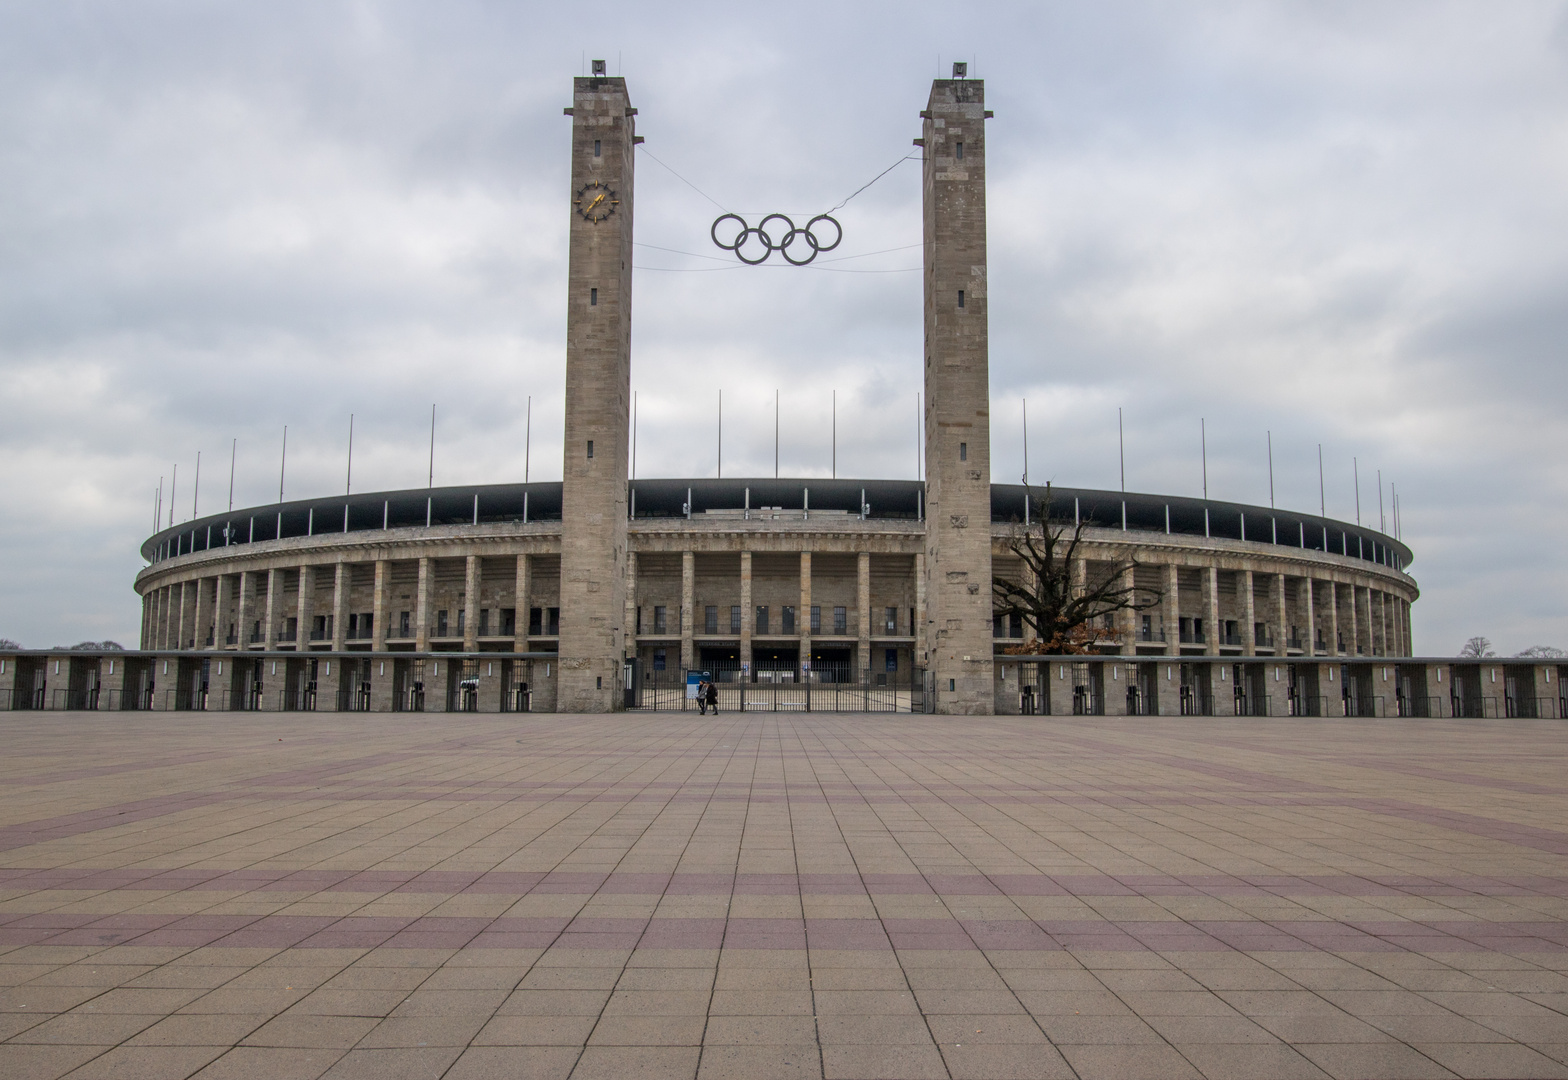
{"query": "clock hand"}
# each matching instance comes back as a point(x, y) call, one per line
point(595, 203)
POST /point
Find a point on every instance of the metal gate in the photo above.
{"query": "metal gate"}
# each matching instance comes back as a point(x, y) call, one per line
point(827, 689)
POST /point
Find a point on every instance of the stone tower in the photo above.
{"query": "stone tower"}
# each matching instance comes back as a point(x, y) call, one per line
point(957, 637)
point(598, 397)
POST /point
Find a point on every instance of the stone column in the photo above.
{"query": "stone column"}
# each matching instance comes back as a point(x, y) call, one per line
point(143, 640)
point(159, 600)
point(378, 608)
point(1366, 619)
point(269, 628)
point(221, 606)
point(181, 619)
point(521, 603)
point(306, 615)
point(803, 613)
point(204, 618)
point(1211, 610)
point(921, 630)
point(688, 600)
point(341, 577)
point(1333, 617)
point(1249, 637)
point(1310, 648)
point(471, 585)
point(748, 614)
point(1172, 609)
point(1355, 620)
point(1281, 618)
point(247, 609)
point(1128, 645)
point(629, 617)
point(422, 609)
point(863, 609)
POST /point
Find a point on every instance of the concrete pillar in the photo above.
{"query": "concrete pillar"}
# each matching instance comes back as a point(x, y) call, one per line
point(1172, 611)
point(305, 617)
point(803, 615)
point(142, 639)
point(748, 614)
point(1366, 618)
point(1310, 648)
point(1281, 618)
point(204, 596)
point(379, 611)
point(422, 608)
point(921, 630)
point(155, 634)
point(246, 609)
point(1248, 612)
point(1127, 619)
point(1211, 610)
point(598, 398)
point(522, 603)
point(957, 397)
point(688, 601)
point(340, 593)
point(471, 586)
point(863, 609)
point(1353, 646)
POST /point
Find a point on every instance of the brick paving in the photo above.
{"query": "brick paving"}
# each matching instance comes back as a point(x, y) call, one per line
point(403, 896)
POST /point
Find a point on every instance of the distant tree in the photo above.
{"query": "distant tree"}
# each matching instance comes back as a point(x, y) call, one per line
point(98, 646)
point(1542, 651)
point(1063, 619)
point(7, 643)
point(1476, 648)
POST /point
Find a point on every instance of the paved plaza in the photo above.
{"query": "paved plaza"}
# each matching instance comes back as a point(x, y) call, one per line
point(408, 896)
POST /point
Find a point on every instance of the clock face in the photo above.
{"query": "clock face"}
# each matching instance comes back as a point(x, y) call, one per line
point(595, 202)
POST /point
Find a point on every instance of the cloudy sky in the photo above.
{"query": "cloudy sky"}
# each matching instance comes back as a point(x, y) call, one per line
point(1339, 223)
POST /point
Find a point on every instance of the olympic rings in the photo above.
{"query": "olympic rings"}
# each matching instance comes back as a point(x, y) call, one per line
point(779, 240)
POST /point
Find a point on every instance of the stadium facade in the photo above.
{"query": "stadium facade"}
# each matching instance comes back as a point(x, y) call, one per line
point(601, 592)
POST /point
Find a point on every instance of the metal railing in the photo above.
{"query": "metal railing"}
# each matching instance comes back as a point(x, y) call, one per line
point(667, 692)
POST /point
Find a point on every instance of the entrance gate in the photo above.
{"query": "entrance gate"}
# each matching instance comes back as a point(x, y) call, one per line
point(824, 689)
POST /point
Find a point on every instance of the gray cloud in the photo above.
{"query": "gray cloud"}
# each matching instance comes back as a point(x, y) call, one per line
point(1341, 223)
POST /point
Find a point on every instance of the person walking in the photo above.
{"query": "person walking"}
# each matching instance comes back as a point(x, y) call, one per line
point(713, 698)
point(702, 697)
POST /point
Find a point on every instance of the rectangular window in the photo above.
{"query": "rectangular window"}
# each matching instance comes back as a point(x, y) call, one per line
point(816, 618)
point(639, 618)
point(960, 298)
point(891, 620)
point(509, 621)
point(1015, 625)
point(710, 619)
point(787, 619)
point(441, 623)
point(659, 619)
point(996, 626)
point(840, 620)
point(658, 659)
point(963, 451)
point(762, 619)
point(598, 148)
point(462, 620)
point(353, 626)
point(553, 620)
point(484, 621)
point(536, 620)
point(735, 619)
point(958, 151)
point(892, 659)
point(593, 298)
point(403, 623)
point(590, 449)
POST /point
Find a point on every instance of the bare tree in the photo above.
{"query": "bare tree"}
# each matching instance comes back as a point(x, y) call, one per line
point(1477, 648)
point(98, 646)
point(1543, 652)
point(1062, 617)
point(8, 644)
